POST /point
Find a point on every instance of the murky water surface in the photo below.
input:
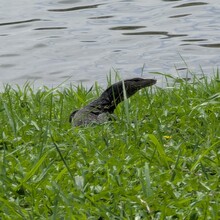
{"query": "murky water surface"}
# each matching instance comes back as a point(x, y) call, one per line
point(48, 41)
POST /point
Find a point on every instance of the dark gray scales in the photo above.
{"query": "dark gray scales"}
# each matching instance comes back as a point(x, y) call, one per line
point(100, 110)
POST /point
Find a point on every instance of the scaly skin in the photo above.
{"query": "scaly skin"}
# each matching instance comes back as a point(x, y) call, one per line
point(100, 110)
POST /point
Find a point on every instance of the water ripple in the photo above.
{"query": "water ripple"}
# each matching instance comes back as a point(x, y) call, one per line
point(190, 4)
point(156, 33)
point(216, 45)
point(102, 17)
point(75, 8)
point(179, 16)
point(50, 28)
point(126, 27)
point(19, 22)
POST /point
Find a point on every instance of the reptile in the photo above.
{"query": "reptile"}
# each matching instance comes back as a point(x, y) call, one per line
point(101, 109)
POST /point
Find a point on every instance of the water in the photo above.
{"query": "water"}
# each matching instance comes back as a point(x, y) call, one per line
point(50, 41)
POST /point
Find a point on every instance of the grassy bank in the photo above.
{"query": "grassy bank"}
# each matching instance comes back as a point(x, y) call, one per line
point(159, 160)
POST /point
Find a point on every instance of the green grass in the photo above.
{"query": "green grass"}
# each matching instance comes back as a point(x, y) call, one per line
point(159, 160)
